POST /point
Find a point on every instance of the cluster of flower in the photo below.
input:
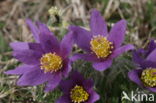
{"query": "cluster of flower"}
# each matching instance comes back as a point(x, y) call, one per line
point(49, 61)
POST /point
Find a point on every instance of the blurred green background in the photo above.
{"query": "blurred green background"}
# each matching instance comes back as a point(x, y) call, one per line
point(141, 17)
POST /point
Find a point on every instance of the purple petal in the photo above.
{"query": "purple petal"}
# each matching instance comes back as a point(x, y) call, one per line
point(152, 89)
point(152, 56)
point(88, 84)
point(63, 99)
point(77, 78)
point(19, 45)
point(93, 97)
point(47, 39)
point(21, 69)
point(147, 64)
point(121, 50)
point(137, 56)
point(53, 83)
point(66, 44)
point(134, 76)
point(139, 59)
point(117, 33)
point(35, 77)
point(97, 24)
point(81, 37)
point(101, 66)
point(66, 86)
point(66, 67)
point(87, 57)
point(36, 47)
point(33, 29)
point(27, 56)
point(151, 47)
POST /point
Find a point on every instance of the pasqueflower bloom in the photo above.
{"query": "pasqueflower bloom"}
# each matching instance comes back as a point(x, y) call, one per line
point(45, 61)
point(77, 90)
point(145, 74)
point(139, 56)
point(100, 46)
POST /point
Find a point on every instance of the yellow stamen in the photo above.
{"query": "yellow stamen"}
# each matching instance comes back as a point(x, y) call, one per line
point(148, 76)
point(51, 62)
point(101, 46)
point(78, 94)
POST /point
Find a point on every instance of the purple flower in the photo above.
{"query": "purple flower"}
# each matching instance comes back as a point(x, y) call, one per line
point(145, 74)
point(139, 56)
point(45, 61)
point(100, 46)
point(77, 90)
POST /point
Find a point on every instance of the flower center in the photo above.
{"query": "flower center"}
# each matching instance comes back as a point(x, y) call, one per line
point(101, 46)
point(78, 94)
point(51, 62)
point(148, 76)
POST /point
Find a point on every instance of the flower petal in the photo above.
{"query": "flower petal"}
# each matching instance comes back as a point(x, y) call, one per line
point(87, 57)
point(63, 99)
point(66, 67)
point(152, 56)
point(27, 56)
point(33, 29)
point(66, 44)
point(81, 37)
point(93, 97)
point(147, 64)
point(21, 69)
point(88, 84)
point(77, 78)
point(101, 66)
point(134, 76)
point(19, 45)
point(137, 56)
point(48, 41)
point(35, 77)
point(97, 24)
point(36, 47)
point(152, 89)
point(117, 33)
point(53, 82)
point(121, 50)
point(66, 86)
point(151, 47)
